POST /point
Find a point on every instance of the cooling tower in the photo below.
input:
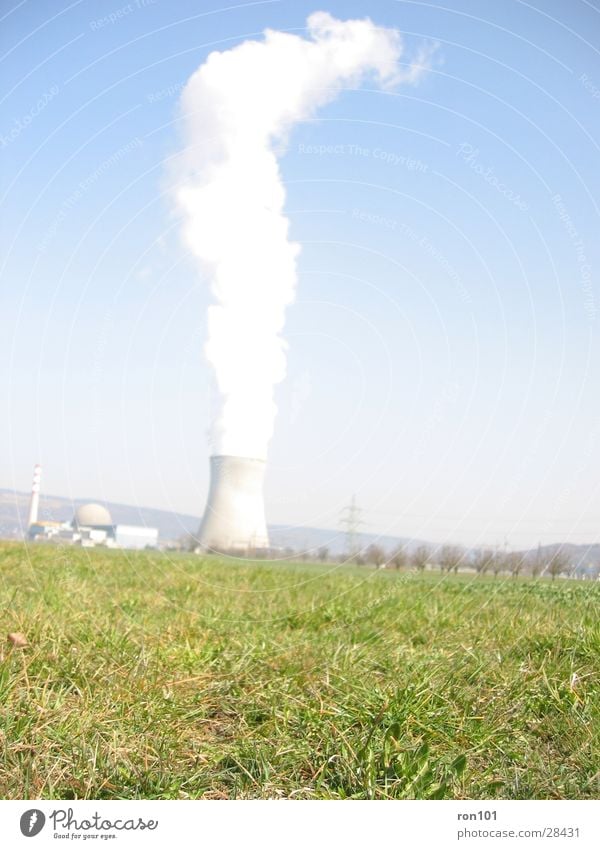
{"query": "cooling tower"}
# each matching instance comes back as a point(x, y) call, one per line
point(234, 518)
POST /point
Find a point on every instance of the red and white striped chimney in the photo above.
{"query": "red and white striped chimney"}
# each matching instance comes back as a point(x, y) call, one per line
point(34, 504)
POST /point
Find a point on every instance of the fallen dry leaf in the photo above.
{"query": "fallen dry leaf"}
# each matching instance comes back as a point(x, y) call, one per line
point(18, 640)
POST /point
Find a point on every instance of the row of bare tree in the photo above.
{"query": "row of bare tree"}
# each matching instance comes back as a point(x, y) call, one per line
point(453, 558)
point(446, 558)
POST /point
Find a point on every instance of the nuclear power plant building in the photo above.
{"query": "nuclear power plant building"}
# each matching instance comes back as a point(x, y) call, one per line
point(234, 517)
point(91, 526)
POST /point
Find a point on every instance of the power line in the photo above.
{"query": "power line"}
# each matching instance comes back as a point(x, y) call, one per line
point(351, 521)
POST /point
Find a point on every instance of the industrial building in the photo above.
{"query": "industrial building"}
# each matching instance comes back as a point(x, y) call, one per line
point(91, 526)
point(234, 518)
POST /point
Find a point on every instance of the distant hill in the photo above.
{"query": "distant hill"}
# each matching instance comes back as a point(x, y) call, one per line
point(578, 555)
point(172, 526)
point(14, 507)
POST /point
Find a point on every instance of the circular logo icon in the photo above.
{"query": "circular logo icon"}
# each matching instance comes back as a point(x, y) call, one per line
point(32, 822)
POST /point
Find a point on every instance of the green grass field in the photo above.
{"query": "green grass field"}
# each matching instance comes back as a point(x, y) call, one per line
point(172, 676)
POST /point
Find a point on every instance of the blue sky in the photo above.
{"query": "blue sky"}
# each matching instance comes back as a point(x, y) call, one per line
point(443, 348)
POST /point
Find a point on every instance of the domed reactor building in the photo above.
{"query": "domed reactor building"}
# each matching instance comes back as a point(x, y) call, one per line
point(91, 526)
point(92, 516)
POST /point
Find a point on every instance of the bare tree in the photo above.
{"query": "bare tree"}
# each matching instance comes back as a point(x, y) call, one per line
point(498, 563)
point(515, 563)
point(375, 555)
point(421, 557)
point(323, 553)
point(557, 564)
point(483, 560)
point(536, 563)
point(188, 542)
point(450, 558)
point(399, 558)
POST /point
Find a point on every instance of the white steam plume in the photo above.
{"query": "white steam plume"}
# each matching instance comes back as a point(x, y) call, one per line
point(237, 110)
